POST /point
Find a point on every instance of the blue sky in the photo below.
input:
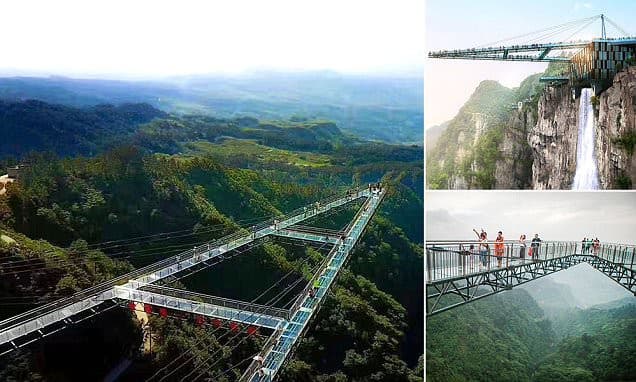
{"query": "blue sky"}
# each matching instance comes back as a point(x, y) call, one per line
point(464, 24)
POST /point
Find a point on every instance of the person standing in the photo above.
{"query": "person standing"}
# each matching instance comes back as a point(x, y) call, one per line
point(534, 245)
point(597, 246)
point(522, 248)
point(499, 248)
point(473, 254)
point(484, 248)
point(583, 245)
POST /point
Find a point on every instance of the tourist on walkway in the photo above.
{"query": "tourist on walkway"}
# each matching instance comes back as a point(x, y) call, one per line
point(522, 248)
point(584, 245)
point(473, 253)
point(534, 246)
point(597, 246)
point(499, 248)
point(484, 248)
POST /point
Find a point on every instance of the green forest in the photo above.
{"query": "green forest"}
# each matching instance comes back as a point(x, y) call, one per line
point(507, 337)
point(132, 171)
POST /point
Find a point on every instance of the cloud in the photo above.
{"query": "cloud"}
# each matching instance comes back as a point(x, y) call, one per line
point(451, 215)
point(581, 5)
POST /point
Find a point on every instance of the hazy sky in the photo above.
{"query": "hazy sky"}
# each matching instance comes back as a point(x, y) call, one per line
point(555, 215)
point(468, 23)
point(156, 38)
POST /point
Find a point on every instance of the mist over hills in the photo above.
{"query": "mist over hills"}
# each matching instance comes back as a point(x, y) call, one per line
point(385, 109)
point(581, 286)
point(537, 332)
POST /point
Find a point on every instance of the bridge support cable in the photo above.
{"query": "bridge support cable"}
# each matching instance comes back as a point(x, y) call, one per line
point(207, 335)
point(36, 320)
point(457, 273)
point(312, 298)
point(270, 340)
point(529, 35)
point(273, 300)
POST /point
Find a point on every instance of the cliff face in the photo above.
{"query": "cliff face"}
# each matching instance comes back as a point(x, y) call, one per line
point(475, 124)
point(514, 168)
point(553, 139)
point(489, 146)
point(615, 125)
point(457, 159)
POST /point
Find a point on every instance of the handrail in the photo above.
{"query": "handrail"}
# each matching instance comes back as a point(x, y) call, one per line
point(213, 300)
point(98, 289)
point(449, 259)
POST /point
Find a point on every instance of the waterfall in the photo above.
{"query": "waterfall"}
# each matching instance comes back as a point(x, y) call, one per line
point(586, 175)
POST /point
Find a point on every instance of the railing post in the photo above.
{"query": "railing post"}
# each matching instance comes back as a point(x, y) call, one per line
point(428, 264)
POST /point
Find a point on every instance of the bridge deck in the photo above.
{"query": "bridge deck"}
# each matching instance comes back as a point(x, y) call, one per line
point(36, 320)
point(457, 274)
point(301, 235)
point(307, 306)
point(211, 306)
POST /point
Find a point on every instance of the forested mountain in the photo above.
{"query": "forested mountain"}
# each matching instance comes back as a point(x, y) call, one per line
point(385, 109)
point(205, 177)
point(526, 137)
point(465, 153)
point(36, 125)
point(508, 337)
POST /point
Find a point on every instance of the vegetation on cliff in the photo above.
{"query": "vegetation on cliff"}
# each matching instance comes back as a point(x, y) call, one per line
point(467, 152)
point(507, 337)
point(206, 177)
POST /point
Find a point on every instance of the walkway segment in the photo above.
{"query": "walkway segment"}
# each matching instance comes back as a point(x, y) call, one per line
point(205, 305)
point(330, 237)
point(281, 346)
point(591, 63)
point(33, 324)
point(457, 274)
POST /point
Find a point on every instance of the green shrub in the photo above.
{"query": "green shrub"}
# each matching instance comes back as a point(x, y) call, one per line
point(626, 142)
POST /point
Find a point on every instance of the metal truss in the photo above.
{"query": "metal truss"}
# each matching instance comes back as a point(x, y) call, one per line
point(451, 283)
point(204, 305)
point(36, 321)
point(283, 342)
point(616, 271)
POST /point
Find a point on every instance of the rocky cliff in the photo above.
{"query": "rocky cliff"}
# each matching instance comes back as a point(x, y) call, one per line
point(488, 145)
point(616, 132)
point(464, 154)
point(553, 139)
point(514, 168)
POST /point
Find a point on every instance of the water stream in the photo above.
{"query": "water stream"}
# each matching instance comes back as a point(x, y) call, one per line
point(586, 175)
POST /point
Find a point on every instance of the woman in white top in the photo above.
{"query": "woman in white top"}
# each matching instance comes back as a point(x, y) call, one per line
point(522, 247)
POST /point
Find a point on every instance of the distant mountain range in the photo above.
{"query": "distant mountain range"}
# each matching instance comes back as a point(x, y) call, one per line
point(434, 133)
point(386, 109)
point(579, 287)
point(38, 126)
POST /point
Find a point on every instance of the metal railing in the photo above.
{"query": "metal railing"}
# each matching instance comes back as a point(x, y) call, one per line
point(449, 259)
point(305, 305)
point(212, 300)
point(180, 262)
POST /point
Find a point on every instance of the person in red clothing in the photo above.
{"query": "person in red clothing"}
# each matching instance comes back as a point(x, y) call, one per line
point(499, 248)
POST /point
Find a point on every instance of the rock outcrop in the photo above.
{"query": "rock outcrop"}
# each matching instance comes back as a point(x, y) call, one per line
point(553, 139)
point(453, 162)
point(615, 125)
point(514, 168)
